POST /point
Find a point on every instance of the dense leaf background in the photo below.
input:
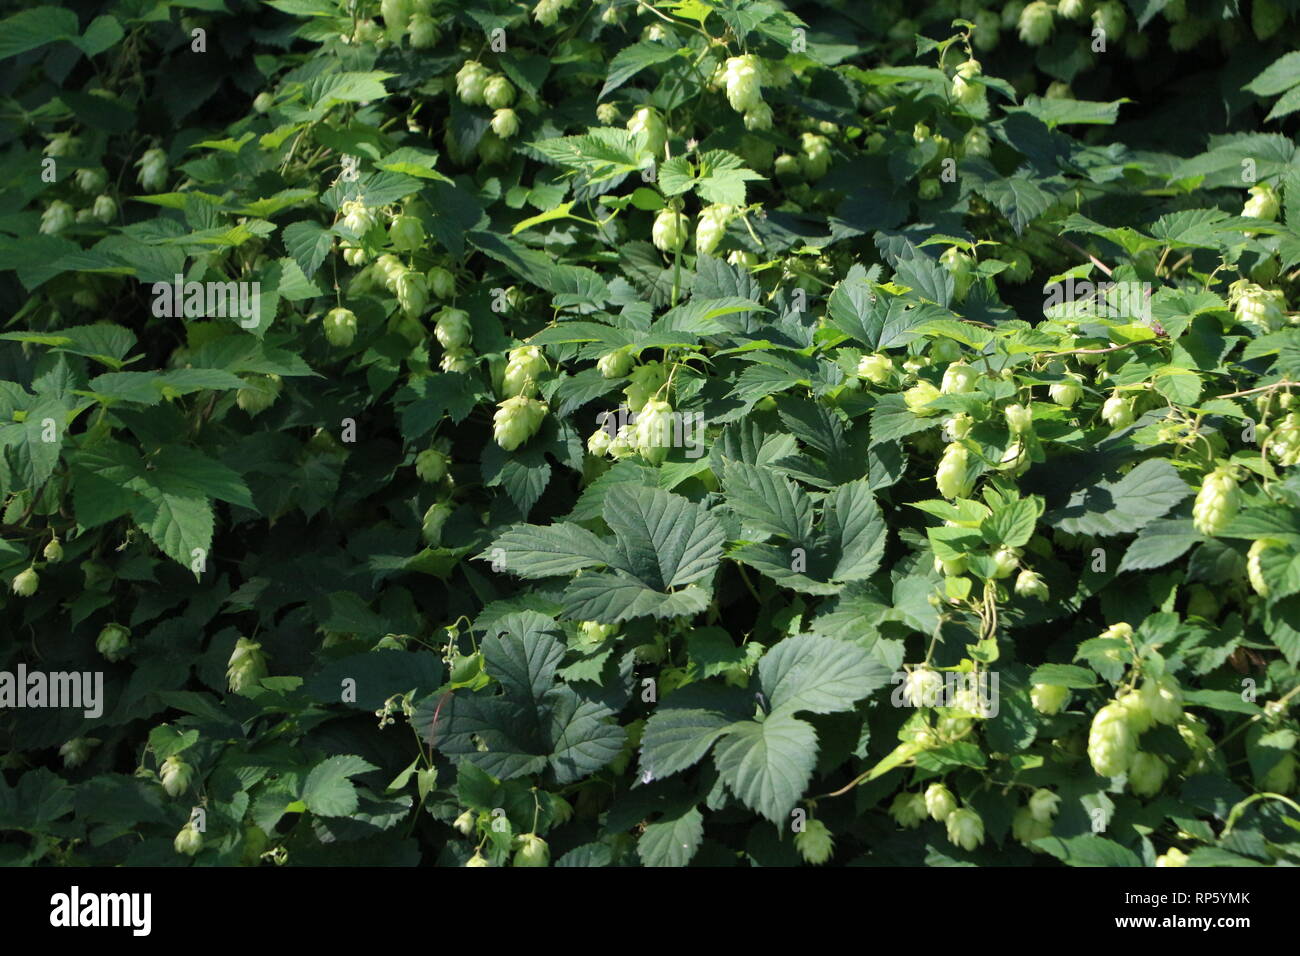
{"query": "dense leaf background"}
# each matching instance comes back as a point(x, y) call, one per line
point(366, 628)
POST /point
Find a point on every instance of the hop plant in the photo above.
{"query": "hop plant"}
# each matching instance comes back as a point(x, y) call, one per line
point(758, 118)
point(516, 420)
point(814, 843)
point(814, 155)
point(1262, 203)
point(524, 367)
point(26, 582)
point(1066, 393)
point(1043, 804)
point(958, 378)
point(922, 687)
point(1019, 418)
point(431, 465)
point(1172, 857)
point(1260, 310)
point(90, 180)
point(104, 209)
point(653, 433)
point(53, 552)
point(965, 828)
point(1147, 774)
point(153, 170)
point(471, 81)
point(875, 368)
point(919, 397)
point(405, 233)
point(1253, 569)
point(951, 477)
point(667, 233)
point(1035, 24)
point(457, 360)
point(1111, 742)
point(1164, 699)
point(189, 841)
point(1110, 18)
point(340, 327)
point(976, 142)
point(247, 665)
point(452, 328)
point(466, 822)
point(358, 218)
point(441, 283)
point(647, 121)
point(1048, 698)
point(615, 364)
point(76, 751)
point(1031, 584)
point(532, 851)
point(939, 802)
point(966, 93)
point(176, 775)
point(743, 80)
point(397, 17)
point(259, 393)
point(1026, 828)
point(1217, 502)
point(1005, 561)
point(412, 291)
point(1072, 9)
point(1135, 706)
point(505, 123)
point(710, 229)
point(498, 93)
point(113, 642)
point(1117, 411)
point(57, 217)
point(909, 810)
point(423, 31)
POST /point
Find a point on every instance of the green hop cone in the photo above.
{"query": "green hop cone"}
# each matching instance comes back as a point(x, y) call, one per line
point(340, 327)
point(653, 434)
point(1172, 857)
point(113, 642)
point(710, 228)
point(939, 802)
point(532, 851)
point(814, 155)
point(1140, 718)
point(1254, 570)
point(1067, 393)
point(919, 397)
point(965, 92)
point(875, 368)
point(153, 170)
point(247, 665)
point(1026, 828)
point(1164, 699)
point(922, 687)
point(175, 774)
point(57, 217)
point(1147, 774)
point(441, 282)
point(1031, 584)
point(478, 859)
point(453, 329)
point(406, 233)
point(1111, 742)
point(615, 364)
point(647, 122)
point(498, 93)
point(1117, 411)
point(1035, 24)
point(431, 465)
point(524, 367)
point(1110, 18)
point(189, 841)
point(466, 823)
point(1260, 310)
point(423, 31)
point(53, 552)
point(1043, 804)
point(815, 843)
point(412, 291)
point(965, 828)
point(668, 232)
point(258, 394)
point(104, 209)
point(909, 810)
point(1217, 502)
point(471, 80)
point(1019, 418)
point(76, 751)
point(516, 420)
point(1048, 698)
point(958, 378)
point(457, 360)
point(743, 80)
point(951, 475)
point(505, 122)
point(1005, 561)
point(593, 632)
point(26, 582)
point(1262, 202)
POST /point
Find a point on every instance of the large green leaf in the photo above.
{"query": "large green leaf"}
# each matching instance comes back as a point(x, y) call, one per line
point(769, 763)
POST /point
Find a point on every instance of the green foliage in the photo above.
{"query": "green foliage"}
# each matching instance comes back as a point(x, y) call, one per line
point(650, 434)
